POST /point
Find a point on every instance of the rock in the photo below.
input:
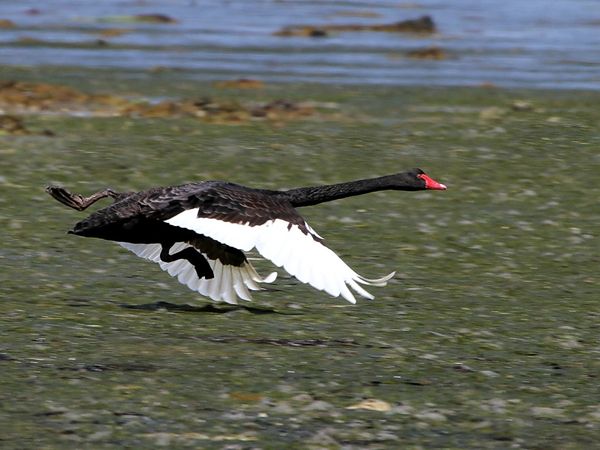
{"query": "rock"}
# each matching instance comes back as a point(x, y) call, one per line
point(372, 404)
point(421, 25)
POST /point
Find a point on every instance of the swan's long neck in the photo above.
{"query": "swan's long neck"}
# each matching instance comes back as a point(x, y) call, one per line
point(308, 196)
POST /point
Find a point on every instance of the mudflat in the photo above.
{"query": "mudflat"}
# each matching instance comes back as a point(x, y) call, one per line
point(486, 338)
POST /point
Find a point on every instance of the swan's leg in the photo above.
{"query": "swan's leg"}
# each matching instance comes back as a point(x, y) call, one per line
point(194, 257)
point(79, 202)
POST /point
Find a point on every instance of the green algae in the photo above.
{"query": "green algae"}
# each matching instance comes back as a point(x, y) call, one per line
point(486, 338)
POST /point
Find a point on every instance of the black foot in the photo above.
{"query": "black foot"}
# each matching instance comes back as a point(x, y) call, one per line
point(192, 256)
point(76, 201)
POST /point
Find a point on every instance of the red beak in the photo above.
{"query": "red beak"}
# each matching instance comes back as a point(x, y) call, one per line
point(430, 183)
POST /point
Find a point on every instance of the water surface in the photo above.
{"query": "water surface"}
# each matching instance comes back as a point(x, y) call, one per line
point(538, 43)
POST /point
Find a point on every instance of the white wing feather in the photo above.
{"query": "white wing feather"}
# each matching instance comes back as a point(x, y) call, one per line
point(288, 247)
point(229, 283)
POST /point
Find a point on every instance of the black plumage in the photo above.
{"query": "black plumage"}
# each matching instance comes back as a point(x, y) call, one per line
point(179, 225)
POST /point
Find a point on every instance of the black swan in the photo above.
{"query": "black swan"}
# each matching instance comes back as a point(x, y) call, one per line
point(198, 232)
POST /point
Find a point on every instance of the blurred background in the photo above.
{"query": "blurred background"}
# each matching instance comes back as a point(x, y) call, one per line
point(537, 43)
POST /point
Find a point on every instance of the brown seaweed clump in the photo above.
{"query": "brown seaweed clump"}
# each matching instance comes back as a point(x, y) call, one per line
point(139, 18)
point(154, 18)
point(303, 31)
point(33, 98)
point(25, 97)
point(113, 32)
point(6, 23)
point(206, 109)
point(15, 126)
point(240, 83)
point(421, 25)
point(282, 110)
point(12, 125)
point(225, 112)
point(435, 53)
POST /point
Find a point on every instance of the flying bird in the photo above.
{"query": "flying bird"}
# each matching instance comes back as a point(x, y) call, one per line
point(200, 232)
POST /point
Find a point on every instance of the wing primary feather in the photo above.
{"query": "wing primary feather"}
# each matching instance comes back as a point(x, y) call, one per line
point(379, 282)
point(240, 287)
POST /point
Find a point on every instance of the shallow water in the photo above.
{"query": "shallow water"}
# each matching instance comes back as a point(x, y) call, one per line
point(538, 43)
point(486, 338)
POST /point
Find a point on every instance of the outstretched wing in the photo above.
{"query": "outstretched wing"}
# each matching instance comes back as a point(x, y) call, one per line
point(244, 219)
point(230, 280)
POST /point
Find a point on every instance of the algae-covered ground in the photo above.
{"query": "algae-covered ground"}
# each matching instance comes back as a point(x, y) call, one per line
point(488, 336)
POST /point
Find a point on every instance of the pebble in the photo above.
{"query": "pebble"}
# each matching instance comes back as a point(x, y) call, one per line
point(547, 412)
point(402, 409)
point(490, 373)
point(521, 105)
point(302, 398)
point(431, 416)
point(492, 112)
point(284, 408)
point(99, 435)
point(318, 405)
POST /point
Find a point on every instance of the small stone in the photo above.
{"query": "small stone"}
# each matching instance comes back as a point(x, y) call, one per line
point(99, 435)
point(521, 105)
point(324, 438)
point(162, 439)
point(285, 388)
point(460, 367)
point(547, 412)
point(318, 405)
point(372, 404)
point(594, 415)
point(496, 405)
point(284, 408)
point(489, 373)
point(569, 343)
point(431, 416)
point(402, 409)
point(302, 398)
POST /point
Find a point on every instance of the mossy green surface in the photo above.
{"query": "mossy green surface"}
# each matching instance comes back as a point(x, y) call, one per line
point(488, 336)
